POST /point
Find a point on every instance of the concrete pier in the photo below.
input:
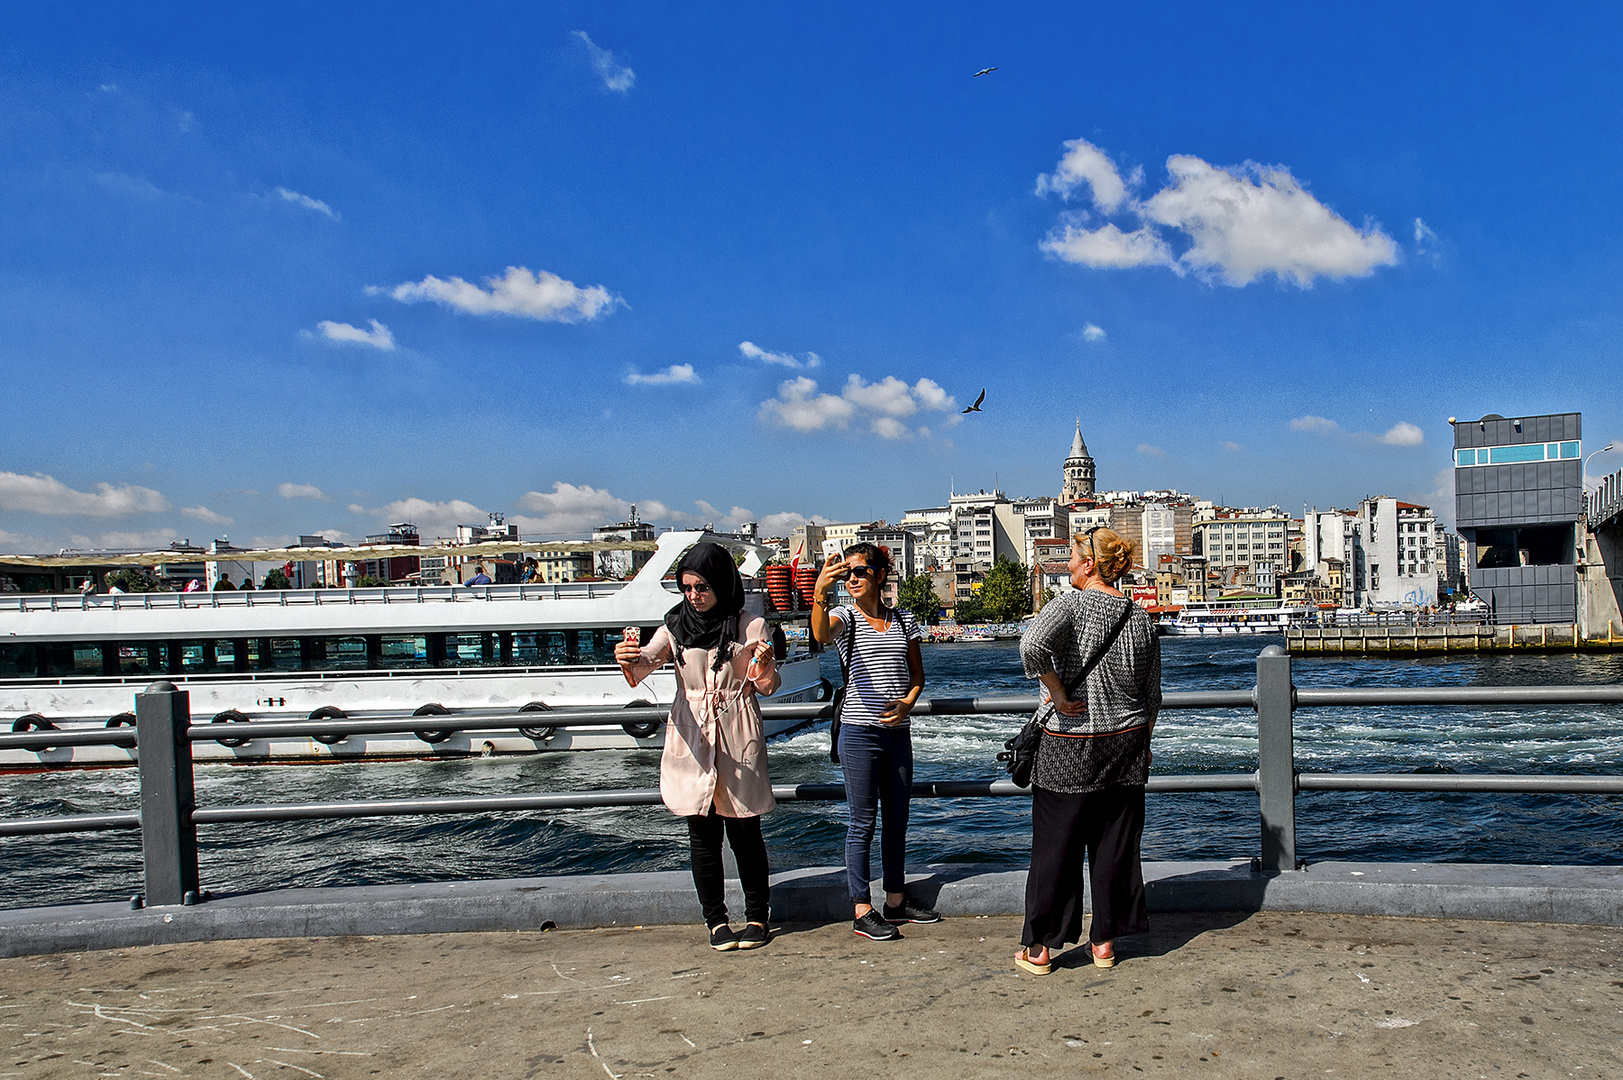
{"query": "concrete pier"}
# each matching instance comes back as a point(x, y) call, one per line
point(1442, 640)
point(1203, 994)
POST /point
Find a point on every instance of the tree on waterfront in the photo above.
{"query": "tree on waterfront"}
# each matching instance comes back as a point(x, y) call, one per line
point(133, 579)
point(969, 609)
point(276, 579)
point(917, 594)
point(1005, 593)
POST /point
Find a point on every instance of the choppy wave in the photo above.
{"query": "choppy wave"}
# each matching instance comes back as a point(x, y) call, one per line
point(1474, 828)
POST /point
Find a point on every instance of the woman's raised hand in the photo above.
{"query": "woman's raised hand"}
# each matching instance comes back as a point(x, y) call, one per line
point(627, 653)
point(833, 570)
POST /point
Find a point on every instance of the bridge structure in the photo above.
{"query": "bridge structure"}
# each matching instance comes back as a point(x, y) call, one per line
point(1600, 571)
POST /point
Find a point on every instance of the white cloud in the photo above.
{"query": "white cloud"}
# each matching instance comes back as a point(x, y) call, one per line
point(203, 513)
point(1424, 238)
point(1085, 163)
point(615, 76)
point(800, 407)
point(676, 373)
point(1107, 247)
point(577, 509)
point(151, 540)
point(1233, 446)
point(356, 508)
point(307, 202)
point(1257, 220)
point(755, 352)
point(433, 519)
point(289, 490)
point(41, 494)
point(888, 427)
point(1153, 451)
point(541, 295)
point(1317, 424)
point(1243, 222)
point(378, 337)
point(1092, 332)
point(1404, 433)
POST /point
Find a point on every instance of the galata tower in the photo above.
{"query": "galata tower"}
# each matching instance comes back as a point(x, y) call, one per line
point(1078, 470)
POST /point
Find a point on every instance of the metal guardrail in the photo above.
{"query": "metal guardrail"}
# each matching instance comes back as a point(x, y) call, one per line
point(1605, 502)
point(169, 817)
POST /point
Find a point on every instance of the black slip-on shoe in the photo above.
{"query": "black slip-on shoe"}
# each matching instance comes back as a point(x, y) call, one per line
point(722, 938)
point(753, 936)
point(870, 925)
point(910, 912)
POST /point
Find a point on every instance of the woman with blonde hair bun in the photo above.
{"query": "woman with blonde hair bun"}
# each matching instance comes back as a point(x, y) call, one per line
point(1099, 661)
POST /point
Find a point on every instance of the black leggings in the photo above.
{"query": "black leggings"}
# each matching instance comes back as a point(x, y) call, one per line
point(1106, 825)
point(744, 834)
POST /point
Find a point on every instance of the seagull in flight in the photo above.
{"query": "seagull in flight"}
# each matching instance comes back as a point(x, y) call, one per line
point(977, 406)
point(983, 71)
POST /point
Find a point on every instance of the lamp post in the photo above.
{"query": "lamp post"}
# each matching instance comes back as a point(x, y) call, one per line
point(1602, 450)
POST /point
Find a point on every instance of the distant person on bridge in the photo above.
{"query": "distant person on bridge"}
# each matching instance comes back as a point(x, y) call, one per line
point(713, 771)
point(1099, 661)
point(879, 652)
point(479, 575)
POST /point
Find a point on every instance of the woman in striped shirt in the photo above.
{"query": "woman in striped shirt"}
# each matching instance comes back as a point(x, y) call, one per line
point(879, 650)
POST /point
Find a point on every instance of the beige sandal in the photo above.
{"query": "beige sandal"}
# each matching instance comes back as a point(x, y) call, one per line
point(1023, 961)
point(1101, 961)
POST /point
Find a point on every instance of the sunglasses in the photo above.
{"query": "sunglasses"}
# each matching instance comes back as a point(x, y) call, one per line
point(697, 590)
point(864, 572)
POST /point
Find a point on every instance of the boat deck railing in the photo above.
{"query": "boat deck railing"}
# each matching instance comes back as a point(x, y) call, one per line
point(168, 817)
point(284, 598)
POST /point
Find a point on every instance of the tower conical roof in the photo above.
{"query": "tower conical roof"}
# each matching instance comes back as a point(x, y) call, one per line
point(1079, 449)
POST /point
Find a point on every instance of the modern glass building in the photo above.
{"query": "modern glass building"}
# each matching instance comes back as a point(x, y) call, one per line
point(1518, 494)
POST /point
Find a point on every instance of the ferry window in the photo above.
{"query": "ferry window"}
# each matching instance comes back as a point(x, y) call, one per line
point(410, 650)
point(196, 656)
point(344, 653)
point(526, 648)
point(18, 661)
point(63, 658)
point(471, 650)
point(276, 654)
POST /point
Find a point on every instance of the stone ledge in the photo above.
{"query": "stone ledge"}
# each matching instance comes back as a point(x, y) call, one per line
point(1590, 895)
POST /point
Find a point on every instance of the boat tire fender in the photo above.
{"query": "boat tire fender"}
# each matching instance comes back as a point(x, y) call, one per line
point(433, 735)
point(825, 690)
point(644, 730)
point(229, 716)
point(123, 719)
point(329, 712)
point(34, 722)
point(538, 732)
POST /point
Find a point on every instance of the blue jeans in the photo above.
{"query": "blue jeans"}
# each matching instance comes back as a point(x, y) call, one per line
point(878, 764)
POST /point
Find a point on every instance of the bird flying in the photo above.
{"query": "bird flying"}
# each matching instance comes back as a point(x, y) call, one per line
point(977, 406)
point(983, 71)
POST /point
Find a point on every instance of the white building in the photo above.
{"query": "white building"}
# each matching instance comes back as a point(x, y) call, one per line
point(1041, 518)
point(987, 529)
point(1243, 538)
point(622, 565)
point(935, 536)
point(1159, 530)
point(1400, 551)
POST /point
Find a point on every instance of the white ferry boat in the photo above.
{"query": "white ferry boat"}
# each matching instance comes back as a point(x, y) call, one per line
point(76, 661)
point(1214, 618)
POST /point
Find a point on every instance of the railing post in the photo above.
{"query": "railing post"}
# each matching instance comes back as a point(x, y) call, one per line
point(164, 756)
point(1276, 759)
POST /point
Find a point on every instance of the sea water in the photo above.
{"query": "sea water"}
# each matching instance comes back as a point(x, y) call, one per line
point(1583, 829)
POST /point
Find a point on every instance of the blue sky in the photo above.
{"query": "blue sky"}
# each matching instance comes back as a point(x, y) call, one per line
point(293, 269)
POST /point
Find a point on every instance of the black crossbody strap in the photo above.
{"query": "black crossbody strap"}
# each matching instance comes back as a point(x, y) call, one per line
point(1099, 653)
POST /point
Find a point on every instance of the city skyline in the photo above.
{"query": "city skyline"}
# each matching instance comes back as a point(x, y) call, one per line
point(272, 273)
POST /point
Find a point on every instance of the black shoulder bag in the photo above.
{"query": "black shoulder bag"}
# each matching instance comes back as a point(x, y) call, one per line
point(845, 681)
point(1020, 753)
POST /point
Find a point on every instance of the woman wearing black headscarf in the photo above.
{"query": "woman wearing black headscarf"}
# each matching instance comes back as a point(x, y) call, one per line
point(713, 772)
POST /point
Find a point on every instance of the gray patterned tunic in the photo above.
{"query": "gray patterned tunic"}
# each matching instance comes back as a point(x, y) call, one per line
point(1109, 744)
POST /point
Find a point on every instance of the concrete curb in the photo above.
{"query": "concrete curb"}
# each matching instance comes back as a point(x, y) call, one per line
point(1591, 895)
